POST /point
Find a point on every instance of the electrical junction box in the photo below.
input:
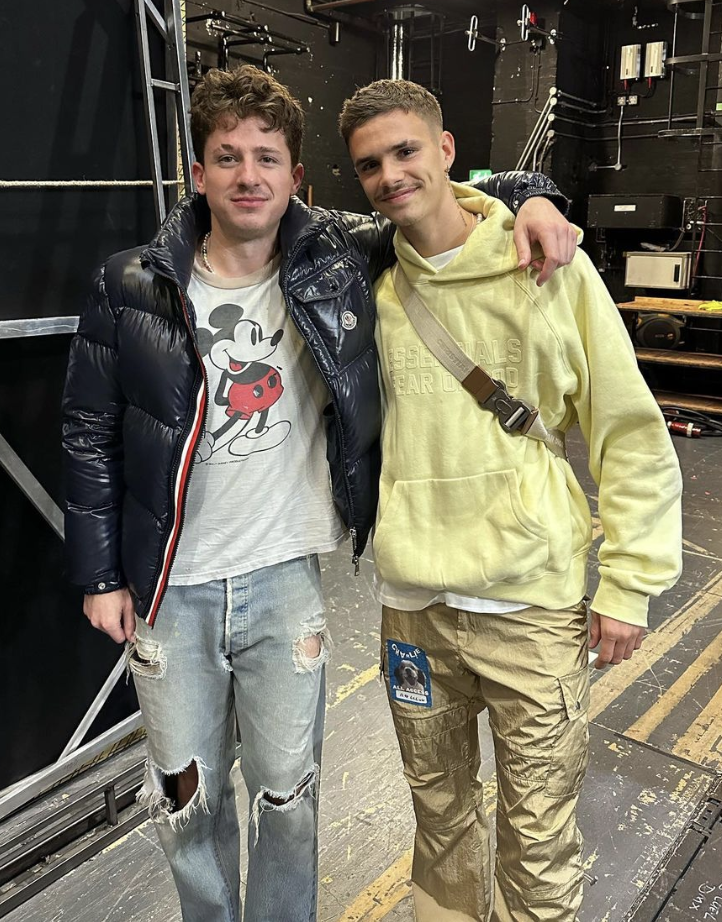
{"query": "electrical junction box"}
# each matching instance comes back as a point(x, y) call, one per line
point(658, 270)
point(635, 212)
point(655, 54)
point(631, 62)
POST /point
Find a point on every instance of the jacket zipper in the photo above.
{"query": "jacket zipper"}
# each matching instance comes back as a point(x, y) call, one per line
point(352, 530)
point(180, 506)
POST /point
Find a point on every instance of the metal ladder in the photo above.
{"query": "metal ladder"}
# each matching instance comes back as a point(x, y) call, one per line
point(175, 84)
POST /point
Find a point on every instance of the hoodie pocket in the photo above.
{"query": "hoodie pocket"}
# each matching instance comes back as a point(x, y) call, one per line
point(464, 535)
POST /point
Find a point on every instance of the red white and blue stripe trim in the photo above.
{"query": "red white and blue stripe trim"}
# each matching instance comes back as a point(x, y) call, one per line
point(181, 479)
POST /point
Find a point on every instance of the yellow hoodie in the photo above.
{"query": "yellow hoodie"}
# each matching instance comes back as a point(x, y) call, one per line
point(469, 508)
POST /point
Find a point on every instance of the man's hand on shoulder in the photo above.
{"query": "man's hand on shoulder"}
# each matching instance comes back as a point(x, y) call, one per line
point(617, 640)
point(113, 613)
point(539, 221)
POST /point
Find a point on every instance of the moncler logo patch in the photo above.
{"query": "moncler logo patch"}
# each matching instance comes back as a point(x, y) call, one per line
point(348, 320)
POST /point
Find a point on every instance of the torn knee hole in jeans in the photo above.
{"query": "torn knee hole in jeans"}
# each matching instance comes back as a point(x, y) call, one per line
point(160, 793)
point(147, 659)
point(283, 801)
point(313, 648)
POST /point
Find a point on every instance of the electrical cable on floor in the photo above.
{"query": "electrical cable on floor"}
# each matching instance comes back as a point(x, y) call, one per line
point(690, 423)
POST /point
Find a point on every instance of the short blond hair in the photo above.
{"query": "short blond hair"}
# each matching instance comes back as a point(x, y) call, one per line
point(223, 97)
point(385, 96)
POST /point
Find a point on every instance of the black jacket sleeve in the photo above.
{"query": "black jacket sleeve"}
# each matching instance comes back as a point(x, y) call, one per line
point(514, 187)
point(372, 235)
point(93, 407)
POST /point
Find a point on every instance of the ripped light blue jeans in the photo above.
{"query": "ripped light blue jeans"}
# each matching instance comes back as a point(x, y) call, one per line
point(242, 656)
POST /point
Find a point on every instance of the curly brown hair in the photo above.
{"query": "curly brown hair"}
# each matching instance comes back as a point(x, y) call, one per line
point(384, 96)
point(222, 97)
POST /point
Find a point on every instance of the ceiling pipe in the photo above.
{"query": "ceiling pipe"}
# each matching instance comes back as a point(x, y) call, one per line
point(331, 5)
point(333, 24)
point(399, 41)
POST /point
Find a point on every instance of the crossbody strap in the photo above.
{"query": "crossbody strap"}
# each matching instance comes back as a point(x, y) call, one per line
point(514, 415)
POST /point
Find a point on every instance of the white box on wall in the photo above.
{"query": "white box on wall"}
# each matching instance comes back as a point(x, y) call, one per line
point(631, 62)
point(655, 54)
point(658, 270)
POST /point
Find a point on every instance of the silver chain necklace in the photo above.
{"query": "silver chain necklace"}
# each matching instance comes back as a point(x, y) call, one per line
point(204, 253)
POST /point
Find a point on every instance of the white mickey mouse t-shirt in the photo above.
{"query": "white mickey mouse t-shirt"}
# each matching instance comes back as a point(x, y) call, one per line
point(260, 490)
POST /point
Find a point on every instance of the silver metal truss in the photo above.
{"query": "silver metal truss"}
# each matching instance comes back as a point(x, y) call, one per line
point(37, 326)
point(21, 475)
point(73, 757)
point(17, 795)
point(170, 25)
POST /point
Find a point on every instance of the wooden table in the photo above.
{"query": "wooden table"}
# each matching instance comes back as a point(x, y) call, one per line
point(705, 360)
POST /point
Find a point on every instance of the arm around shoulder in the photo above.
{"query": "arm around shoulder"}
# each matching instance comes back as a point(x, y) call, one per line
point(514, 187)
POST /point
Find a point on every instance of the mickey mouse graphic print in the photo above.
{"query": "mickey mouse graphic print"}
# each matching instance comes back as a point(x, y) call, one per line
point(260, 491)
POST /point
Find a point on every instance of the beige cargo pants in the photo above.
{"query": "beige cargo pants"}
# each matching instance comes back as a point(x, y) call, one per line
point(529, 670)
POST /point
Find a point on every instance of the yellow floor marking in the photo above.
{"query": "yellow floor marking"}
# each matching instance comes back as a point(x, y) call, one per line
point(618, 679)
point(643, 728)
point(378, 899)
point(350, 817)
point(704, 737)
point(135, 831)
point(591, 860)
point(363, 678)
point(695, 547)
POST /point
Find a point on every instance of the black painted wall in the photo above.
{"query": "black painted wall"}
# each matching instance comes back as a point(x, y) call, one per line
point(467, 87)
point(684, 167)
point(321, 80)
point(522, 80)
point(585, 63)
point(75, 111)
point(71, 111)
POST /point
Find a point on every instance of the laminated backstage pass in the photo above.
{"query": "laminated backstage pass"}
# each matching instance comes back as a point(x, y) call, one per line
point(409, 674)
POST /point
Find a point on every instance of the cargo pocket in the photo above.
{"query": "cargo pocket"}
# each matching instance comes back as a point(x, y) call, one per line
point(439, 764)
point(571, 749)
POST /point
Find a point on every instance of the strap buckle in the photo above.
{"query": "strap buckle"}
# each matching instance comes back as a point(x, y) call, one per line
point(513, 414)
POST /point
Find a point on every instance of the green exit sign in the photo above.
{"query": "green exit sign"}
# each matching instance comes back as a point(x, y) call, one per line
point(478, 174)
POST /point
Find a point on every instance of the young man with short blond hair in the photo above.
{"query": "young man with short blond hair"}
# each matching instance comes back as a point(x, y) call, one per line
point(483, 532)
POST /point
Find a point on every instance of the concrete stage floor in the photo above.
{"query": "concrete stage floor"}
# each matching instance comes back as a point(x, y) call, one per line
point(656, 749)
